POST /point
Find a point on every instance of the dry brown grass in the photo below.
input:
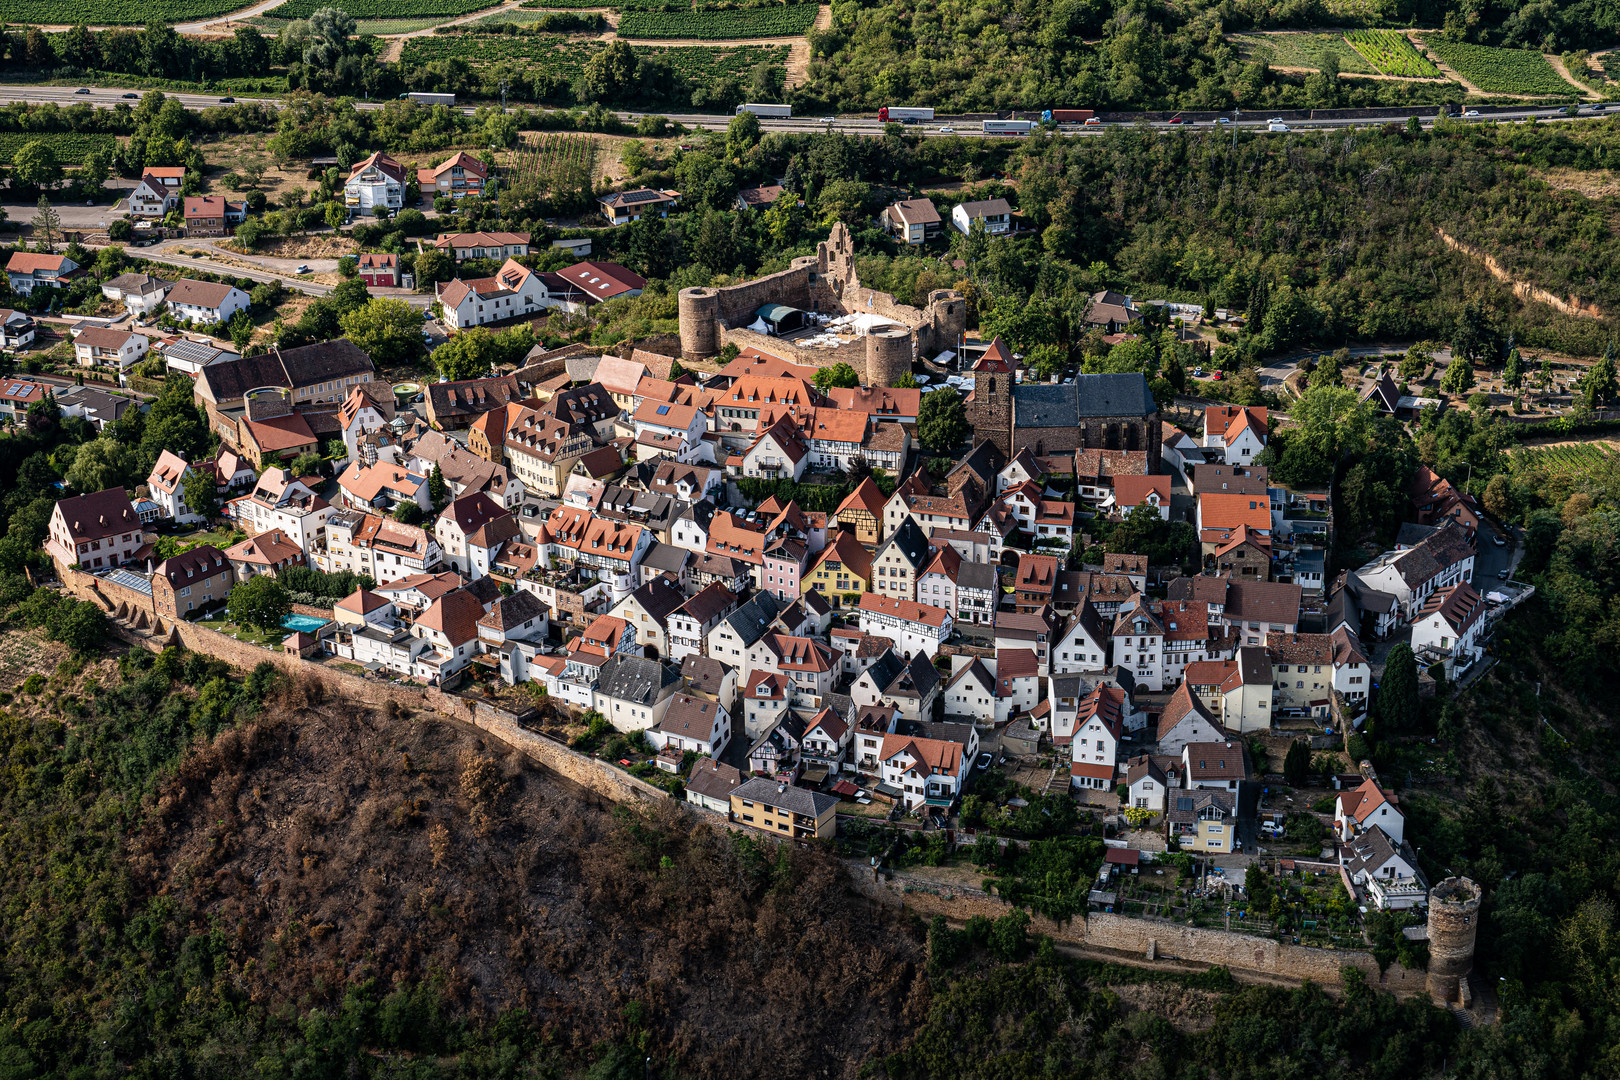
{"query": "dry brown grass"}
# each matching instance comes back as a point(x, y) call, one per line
point(1593, 183)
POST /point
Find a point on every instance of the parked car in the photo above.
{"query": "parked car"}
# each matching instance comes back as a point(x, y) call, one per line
point(1499, 540)
point(302, 269)
point(1216, 376)
point(982, 763)
point(1503, 574)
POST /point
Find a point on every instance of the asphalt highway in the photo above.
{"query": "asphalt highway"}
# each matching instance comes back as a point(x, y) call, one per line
point(107, 97)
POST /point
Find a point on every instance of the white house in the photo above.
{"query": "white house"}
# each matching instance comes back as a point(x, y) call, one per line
point(16, 328)
point(281, 501)
point(666, 428)
point(1147, 784)
point(995, 214)
point(450, 627)
point(28, 270)
point(382, 487)
point(158, 191)
point(105, 348)
point(692, 725)
point(378, 181)
point(1082, 645)
point(514, 291)
point(734, 636)
point(1099, 725)
point(206, 302)
point(139, 293)
point(1359, 809)
point(1384, 869)
point(1239, 432)
point(911, 626)
point(1448, 626)
point(167, 487)
point(1186, 720)
point(360, 416)
point(971, 691)
point(826, 739)
point(513, 631)
point(777, 453)
point(924, 770)
point(1439, 561)
point(470, 532)
point(690, 624)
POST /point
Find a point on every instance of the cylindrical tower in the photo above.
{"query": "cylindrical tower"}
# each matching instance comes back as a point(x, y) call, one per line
point(1453, 919)
point(947, 314)
point(888, 354)
point(699, 311)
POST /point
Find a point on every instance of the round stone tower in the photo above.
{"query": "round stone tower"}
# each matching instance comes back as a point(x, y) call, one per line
point(947, 317)
point(699, 311)
point(888, 354)
point(1453, 919)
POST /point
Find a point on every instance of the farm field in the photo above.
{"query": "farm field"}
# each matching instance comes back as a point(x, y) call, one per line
point(1499, 71)
point(1564, 468)
point(386, 10)
point(567, 58)
point(70, 148)
point(112, 12)
point(1390, 53)
point(361, 26)
point(1301, 50)
point(786, 21)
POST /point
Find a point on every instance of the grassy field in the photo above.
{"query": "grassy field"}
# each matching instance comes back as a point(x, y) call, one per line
point(1301, 51)
point(1391, 53)
point(1499, 71)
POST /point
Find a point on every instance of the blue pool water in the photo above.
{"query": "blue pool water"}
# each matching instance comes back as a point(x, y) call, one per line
point(307, 623)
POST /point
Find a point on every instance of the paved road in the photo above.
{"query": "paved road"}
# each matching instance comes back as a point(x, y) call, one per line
point(106, 97)
point(269, 270)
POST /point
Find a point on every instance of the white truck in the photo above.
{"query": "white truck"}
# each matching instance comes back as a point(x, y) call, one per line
point(905, 114)
point(428, 99)
point(1008, 127)
point(775, 111)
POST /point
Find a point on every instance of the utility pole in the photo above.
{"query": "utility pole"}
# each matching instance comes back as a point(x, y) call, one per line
point(503, 95)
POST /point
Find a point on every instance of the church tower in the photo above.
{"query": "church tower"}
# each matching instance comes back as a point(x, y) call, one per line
point(990, 406)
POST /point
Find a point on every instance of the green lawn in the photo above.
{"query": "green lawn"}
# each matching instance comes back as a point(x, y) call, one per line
point(220, 537)
point(242, 633)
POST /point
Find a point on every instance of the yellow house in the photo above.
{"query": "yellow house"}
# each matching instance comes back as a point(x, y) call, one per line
point(843, 566)
point(1204, 822)
point(784, 810)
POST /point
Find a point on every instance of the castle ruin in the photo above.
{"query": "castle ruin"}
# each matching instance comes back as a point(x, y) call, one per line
point(825, 283)
point(1453, 921)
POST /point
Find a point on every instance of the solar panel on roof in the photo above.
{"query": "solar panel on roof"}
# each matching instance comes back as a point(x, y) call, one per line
point(663, 410)
point(639, 196)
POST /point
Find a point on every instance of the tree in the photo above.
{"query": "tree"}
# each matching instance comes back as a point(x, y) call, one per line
point(742, 135)
point(1459, 377)
point(1475, 338)
point(78, 624)
point(1297, 764)
point(409, 513)
point(438, 490)
point(97, 167)
point(838, 375)
point(306, 464)
point(1599, 387)
point(1499, 498)
point(433, 266)
point(121, 230)
point(100, 464)
point(942, 421)
point(47, 224)
point(388, 329)
point(260, 602)
point(336, 215)
point(1397, 701)
point(467, 355)
point(348, 266)
point(36, 166)
point(907, 381)
point(1513, 370)
point(610, 74)
point(202, 493)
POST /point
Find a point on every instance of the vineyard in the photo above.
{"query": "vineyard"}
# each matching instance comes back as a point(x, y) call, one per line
point(554, 165)
point(1300, 51)
point(377, 9)
point(111, 12)
point(71, 148)
point(1499, 71)
point(1577, 463)
point(560, 56)
point(790, 21)
point(1390, 53)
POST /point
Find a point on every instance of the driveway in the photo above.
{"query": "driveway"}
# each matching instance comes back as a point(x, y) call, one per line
point(76, 216)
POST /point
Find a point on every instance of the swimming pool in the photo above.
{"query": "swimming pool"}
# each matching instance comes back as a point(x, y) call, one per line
point(307, 623)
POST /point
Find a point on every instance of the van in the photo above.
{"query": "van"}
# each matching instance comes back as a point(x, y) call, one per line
point(1277, 125)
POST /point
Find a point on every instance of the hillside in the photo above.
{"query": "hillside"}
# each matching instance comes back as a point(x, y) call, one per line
point(319, 856)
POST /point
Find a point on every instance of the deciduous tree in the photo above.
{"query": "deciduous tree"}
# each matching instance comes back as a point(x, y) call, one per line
point(260, 602)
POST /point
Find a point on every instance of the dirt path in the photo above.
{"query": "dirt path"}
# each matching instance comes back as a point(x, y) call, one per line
point(1522, 289)
point(1557, 63)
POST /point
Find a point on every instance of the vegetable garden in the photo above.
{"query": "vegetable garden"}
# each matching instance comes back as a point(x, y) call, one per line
point(1390, 53)
point(111, 12)
point(790, 21)
point(70, 147)
point(553, 164)
point(1499, 71)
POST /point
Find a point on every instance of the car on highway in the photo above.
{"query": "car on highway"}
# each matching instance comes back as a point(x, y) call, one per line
point(227, 100)
point(1470, 112)
point(1276, 125)
point(302, 269)
point(1092, 121)
point(947, 130)
point(1178, 119)
point(1275, 120)
point(81, 90)
point(829, 119)
point(1221, 120)
point(131, 97)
